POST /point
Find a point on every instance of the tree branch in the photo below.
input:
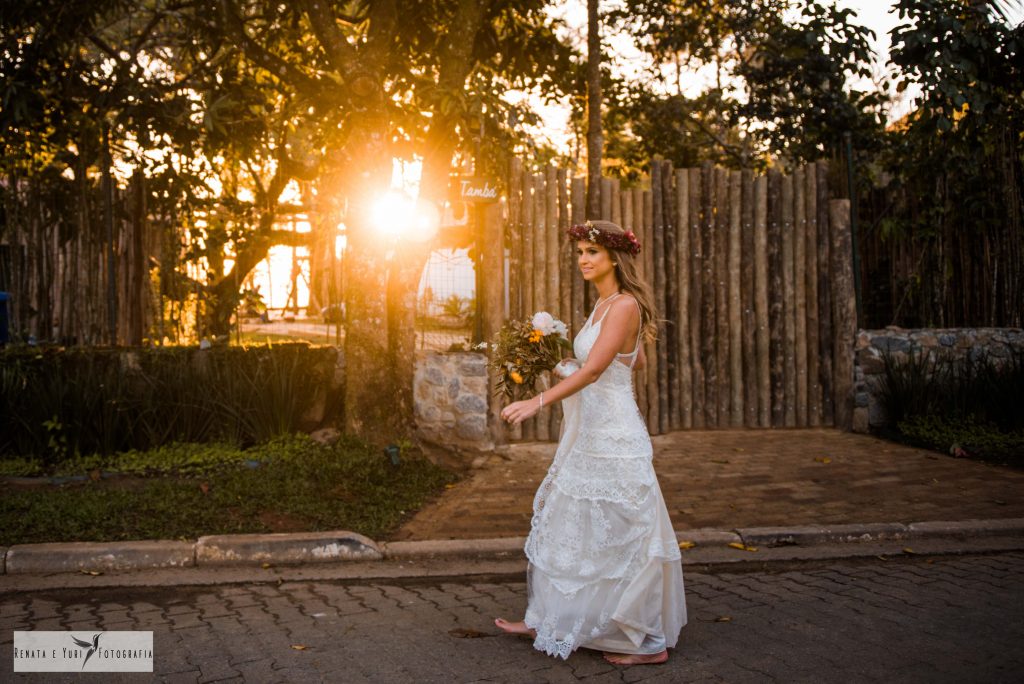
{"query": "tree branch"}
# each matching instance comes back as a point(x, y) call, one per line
point(340, 53)
point(281, 69)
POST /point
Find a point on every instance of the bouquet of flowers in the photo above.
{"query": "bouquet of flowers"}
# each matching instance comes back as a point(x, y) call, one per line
point(525, 349)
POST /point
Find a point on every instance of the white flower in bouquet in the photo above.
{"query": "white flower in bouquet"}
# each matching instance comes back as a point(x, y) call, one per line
point(548, 324)
point(544, 322)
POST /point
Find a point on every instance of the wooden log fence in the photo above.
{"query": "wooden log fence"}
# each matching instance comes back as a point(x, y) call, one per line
point(751, 280)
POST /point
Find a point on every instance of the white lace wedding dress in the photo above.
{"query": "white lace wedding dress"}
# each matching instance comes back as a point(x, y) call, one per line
point(604, 565)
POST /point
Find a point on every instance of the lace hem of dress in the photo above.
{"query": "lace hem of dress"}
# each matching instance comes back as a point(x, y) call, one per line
point(546, 639)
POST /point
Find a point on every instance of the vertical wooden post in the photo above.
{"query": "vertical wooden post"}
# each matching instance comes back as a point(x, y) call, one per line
point(137, 281)
point(567, 259)
point(629, 222)
point(668, 200)
point(722, 294)
point(696, 304)
point(515, 239)
point(565, 273)
point(747, 266)
point(527, 262)
point(616, 200)
point(650, 263)
point(683, 266)
point(824, 297)
point(659, 286)
point(844, 306)
point(736, 407)
point(775, 295)
point(811, 276)
point(553, 268)
point(708, 299)
point(527, 431)
point(579, 314)
point(606, 199)
point(492, 260)
point(788, 302)
point(799, 283)
point(540, 278)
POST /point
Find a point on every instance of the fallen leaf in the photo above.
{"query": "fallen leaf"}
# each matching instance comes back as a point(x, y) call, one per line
point(822, 459)
point(882, 558)
point(204, 487)
point(742, 547)
point(907, 549)
point(738, 449)
point(687, 545)
point(94, 475)
point(463, 633)
point(91, 572)
point(299, 647)
point(449, 486)
point(723, 618)
point(266, 565)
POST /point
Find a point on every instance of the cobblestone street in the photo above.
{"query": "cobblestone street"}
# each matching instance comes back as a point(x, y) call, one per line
point(938, 619)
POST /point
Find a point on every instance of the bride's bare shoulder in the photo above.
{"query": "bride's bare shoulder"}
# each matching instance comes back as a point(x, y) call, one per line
point(627, 302)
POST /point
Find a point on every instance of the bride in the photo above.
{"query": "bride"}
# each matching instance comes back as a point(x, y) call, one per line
point(604, 566)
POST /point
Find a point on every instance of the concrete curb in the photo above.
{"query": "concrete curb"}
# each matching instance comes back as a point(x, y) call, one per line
point(305, 547)
point(501, 546)
point(345, 546)
point(97, 556)
point(831, 534)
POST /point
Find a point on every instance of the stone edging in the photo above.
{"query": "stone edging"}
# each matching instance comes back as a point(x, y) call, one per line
point(320, 547)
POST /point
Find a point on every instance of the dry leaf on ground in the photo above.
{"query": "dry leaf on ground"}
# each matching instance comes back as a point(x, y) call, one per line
point(742, 547)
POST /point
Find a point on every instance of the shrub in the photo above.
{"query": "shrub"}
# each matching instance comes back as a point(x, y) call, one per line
point(61, 403)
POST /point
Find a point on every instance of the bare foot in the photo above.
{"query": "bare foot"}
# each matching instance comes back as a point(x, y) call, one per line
point(514, 627)
point(631, 659)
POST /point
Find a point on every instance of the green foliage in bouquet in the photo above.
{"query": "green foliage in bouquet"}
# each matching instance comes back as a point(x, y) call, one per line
point(522, 352)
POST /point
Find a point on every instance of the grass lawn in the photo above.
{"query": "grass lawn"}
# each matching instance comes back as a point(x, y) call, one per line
point(188, 490)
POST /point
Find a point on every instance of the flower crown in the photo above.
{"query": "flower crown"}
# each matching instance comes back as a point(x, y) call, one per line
point(589, 231)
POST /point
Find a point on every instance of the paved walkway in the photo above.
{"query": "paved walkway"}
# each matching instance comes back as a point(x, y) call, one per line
point(942, 619)
point(739, 478)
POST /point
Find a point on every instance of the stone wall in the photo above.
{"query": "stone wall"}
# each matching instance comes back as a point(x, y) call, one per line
point(450, 395)
point(955, 343)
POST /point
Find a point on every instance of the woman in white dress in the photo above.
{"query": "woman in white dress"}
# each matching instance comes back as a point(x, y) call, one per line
point(604, 566)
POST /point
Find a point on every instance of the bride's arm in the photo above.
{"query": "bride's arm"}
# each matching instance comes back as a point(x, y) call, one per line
point(616, 326)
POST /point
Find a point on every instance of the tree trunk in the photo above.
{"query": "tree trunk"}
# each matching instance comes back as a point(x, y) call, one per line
point(595, 138)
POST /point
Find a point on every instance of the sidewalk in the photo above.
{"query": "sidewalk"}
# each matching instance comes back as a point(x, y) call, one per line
point(793, 495)
point(728, 479)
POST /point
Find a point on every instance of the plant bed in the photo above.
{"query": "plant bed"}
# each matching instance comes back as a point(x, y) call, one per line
point(186, 491)
point(961, 438)
point(967, 408)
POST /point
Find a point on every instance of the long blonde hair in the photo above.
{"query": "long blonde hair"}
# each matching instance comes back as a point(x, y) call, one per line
point(627, 272)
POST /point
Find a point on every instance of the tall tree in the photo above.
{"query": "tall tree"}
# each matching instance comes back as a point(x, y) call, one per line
point(595, 135)
point(385, 78)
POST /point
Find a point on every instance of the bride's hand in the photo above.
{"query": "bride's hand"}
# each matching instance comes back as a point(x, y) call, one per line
point(518, 411)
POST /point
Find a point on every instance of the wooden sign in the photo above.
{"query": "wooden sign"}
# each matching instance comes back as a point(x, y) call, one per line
point(474, 189)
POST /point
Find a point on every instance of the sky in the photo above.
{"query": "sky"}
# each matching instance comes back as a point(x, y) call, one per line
point(876, 15)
